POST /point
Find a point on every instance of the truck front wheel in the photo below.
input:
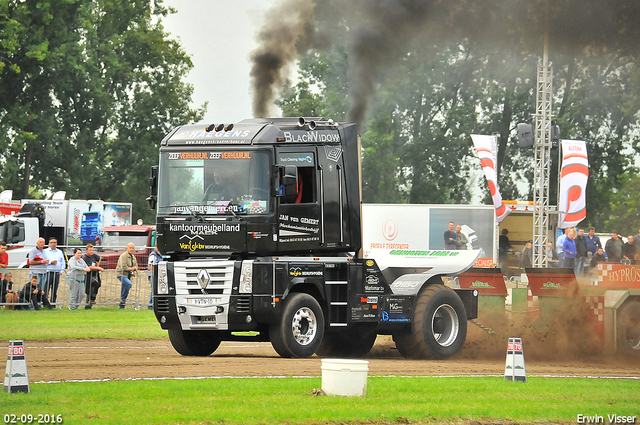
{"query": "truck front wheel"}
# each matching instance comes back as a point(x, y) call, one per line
point(194, 343)
point(439, 326)
point(629, 328)
point(300, 329)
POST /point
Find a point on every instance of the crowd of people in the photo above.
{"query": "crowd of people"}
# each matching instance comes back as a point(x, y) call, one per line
point(46, 265)
point(577, 250)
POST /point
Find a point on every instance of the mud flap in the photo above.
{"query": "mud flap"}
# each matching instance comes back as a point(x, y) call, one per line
point(469, 299)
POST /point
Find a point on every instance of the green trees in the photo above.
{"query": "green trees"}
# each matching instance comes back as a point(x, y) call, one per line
point(416, 135)
point(87, 91)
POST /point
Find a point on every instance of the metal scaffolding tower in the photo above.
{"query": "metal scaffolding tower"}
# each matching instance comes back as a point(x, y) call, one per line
point(541, 173)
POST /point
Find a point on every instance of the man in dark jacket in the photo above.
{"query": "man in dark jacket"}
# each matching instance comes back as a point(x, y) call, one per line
point(93, 281)
point(598, 257)
point(629, 249)
point(581, 253)
point(613, 248)
point(526, 258)
point(8, 294)
point(32, 293)
point(450, 237)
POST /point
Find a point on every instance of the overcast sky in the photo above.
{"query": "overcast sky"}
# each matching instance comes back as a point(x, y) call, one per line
point(219, 35)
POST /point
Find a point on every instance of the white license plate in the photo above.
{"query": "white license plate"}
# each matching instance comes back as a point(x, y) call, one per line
point(207, 319)
point(201, 301)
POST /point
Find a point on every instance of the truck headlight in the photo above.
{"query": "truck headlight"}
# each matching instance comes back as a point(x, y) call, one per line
point(163, 282)
point(246, 278)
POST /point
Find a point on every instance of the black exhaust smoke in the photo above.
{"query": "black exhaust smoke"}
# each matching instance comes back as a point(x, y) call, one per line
point(381, 31)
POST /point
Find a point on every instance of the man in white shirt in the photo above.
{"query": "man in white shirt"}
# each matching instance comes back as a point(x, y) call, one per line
point(38, 264)
point(55, 267)
point(559, 244)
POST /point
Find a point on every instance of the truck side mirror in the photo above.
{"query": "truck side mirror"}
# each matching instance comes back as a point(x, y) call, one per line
point(152, 202)
point(289, 181)
point(153, 184)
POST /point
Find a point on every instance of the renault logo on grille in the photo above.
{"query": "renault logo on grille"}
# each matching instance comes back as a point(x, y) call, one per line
point(203, 279)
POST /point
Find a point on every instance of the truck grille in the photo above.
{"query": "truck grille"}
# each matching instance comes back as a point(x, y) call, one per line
point(220, 277)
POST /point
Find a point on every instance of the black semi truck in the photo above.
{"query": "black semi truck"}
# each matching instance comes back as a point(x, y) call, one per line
point(259, 225)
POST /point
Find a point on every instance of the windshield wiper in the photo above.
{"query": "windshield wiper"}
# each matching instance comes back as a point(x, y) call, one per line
point(230, 209)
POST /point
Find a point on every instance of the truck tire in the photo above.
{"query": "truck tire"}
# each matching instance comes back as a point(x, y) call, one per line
point(352, 342)
point(194, 343)
point(439, 326)
point(629, 329)
point(300, 329)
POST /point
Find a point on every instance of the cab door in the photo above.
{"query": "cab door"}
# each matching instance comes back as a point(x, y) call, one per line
point(299, 218)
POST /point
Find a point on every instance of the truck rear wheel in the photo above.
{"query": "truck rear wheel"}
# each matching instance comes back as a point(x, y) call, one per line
point(352, 342)
point(439, 326)
point(629, 328)
point(194, 343)
point(300, 329)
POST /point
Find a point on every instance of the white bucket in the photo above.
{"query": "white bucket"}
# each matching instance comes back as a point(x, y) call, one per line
point(345, 377)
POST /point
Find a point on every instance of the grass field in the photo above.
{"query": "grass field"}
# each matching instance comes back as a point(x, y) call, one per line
point(423, 400)
point(290, 400)
point(99, 322)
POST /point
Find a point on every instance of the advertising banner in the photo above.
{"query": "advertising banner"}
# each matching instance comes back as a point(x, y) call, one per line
point(117, 214)
point(87, 218)
point(84, 218)
point(393, 233)
point(573, 183)
point(486, 147)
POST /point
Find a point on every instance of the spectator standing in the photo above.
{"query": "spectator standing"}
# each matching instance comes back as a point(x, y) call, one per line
point(38, 263)
point(78, 270)
point(581, 253)
point(450, 238)
point(552, 255)
point(4, 257)
point(526, 259)
point(636, 242)
point(593, 241)
point(559, 245)
point(55, 267)
point(613, 248)
point(629, 249)
point(33, 293)
point(598, 257)
point(6, 289)
point(125, 270)
point(154, 258)
point(462, 239)
point(569, 249)
point(504, 246)
point(93, 281)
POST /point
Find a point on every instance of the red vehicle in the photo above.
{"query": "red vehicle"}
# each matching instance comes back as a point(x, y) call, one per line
point(115, 239)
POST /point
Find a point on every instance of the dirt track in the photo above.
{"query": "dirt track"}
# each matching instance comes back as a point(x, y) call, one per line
point(87, 359)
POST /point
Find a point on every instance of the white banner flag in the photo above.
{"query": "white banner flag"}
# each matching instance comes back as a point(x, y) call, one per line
point(486, 147)
point(573, 183)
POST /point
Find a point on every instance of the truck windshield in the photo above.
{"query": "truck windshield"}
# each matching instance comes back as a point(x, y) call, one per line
point(220, 182)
